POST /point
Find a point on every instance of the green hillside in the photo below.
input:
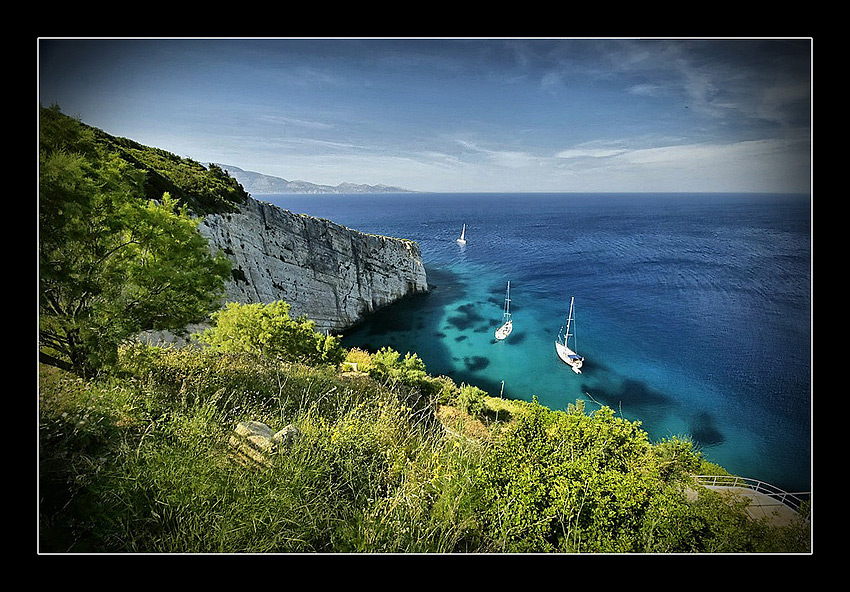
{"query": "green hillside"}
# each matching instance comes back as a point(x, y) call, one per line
point(204, 189)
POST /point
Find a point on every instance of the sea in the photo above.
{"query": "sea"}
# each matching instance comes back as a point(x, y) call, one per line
point(693, 311)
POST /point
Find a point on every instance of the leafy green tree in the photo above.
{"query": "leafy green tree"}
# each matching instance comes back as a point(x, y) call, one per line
point(567, 482)
point(389, 365)
point(111, 263)
point(268, 330)
point(470, 399)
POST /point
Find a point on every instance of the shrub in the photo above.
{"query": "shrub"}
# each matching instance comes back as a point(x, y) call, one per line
point(471, 399)
point(444, 389)
point(267, 330)
point(358, 359)
point(387, 364)
point(566, 482)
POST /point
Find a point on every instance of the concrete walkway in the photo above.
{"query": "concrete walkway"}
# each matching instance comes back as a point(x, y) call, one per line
point(762, 505)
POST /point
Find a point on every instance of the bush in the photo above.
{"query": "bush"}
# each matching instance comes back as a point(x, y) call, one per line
point(567, 482)
point(358, 360)
point(267, 330)
point(470, 399)
point(444, 389)
point(388, 365)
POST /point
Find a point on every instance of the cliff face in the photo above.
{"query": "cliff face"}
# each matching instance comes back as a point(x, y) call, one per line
point(329, 272)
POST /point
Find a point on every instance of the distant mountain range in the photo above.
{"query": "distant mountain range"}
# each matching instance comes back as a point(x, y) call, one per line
point(259, 184)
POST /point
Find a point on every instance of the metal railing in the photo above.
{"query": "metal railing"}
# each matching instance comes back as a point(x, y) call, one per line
point(795, 501)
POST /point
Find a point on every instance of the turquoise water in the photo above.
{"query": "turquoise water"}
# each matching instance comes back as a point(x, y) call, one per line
point(693, 312)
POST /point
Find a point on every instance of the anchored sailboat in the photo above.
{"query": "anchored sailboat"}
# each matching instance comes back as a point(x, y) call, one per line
point(507, 322)
point(567, 355)
point(462, 239)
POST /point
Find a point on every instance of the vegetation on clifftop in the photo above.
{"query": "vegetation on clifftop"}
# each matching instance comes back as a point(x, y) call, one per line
point(204, 190)
point(112, 262)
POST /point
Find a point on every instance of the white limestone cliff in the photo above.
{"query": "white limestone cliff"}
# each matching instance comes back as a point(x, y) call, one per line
point(333, 274)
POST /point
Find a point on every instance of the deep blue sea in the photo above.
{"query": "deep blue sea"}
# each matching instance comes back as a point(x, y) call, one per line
point(693, 311)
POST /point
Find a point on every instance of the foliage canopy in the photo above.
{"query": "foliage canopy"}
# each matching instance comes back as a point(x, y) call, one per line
point(112, 263)
point(268, 330)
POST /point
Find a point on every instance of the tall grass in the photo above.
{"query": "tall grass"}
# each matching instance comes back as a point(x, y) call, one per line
point(142, 463)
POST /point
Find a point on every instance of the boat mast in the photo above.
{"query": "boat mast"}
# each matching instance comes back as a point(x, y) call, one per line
point(569, 322)
point(508, 303)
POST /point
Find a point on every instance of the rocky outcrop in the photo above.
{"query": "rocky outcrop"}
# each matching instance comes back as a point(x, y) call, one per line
point(255, 442)
point(333, 274)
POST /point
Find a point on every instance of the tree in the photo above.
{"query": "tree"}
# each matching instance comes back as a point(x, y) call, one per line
point(388, 364)
point(111, 263)
point(470, 399)
point(268, 330)
point(567, 482)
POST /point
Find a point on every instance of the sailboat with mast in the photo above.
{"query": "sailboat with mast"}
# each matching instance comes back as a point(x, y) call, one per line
point(462, 239)
point(562, 347)
point(507, 322)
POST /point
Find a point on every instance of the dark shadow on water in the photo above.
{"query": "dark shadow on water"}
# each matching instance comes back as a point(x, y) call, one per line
point(467, 318)
point(703, 430)
point(394, 318)
point(476, 363)
point(630, 392)
point(636, 398)
point(413, 323)
point(515, 338)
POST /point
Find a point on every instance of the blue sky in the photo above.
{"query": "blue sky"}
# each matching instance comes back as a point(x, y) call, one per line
point(443, 115)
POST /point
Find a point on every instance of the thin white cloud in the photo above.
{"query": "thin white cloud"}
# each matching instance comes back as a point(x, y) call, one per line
point(707, 154)
point(758, 165)
point(646, 90)
point(294, 121)
point(513, 159)
point(590, 153)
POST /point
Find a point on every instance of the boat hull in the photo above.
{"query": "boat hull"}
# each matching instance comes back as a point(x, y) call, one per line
point(504, 330)
point(569, 357)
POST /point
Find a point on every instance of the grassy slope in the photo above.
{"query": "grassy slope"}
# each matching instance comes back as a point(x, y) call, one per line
point(142, 462)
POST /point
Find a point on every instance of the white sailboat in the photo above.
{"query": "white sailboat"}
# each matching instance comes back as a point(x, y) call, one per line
point(462, 239)
point(567, 355)
point(507, 322)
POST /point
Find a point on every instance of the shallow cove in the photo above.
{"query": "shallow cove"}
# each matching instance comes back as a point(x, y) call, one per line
point(688, 308)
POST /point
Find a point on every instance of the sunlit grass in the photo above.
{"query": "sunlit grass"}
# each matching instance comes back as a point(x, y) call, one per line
point(387, 461)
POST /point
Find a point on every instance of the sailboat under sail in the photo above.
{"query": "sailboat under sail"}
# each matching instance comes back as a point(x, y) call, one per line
point(507, 322)
point(462, 239)
point(567, 355)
